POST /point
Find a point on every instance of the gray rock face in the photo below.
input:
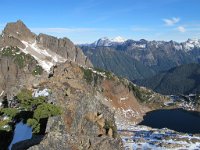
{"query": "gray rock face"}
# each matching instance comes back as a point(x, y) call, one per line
point(19, 31)
point(14, 35)
point(9, 73)
point(16, 32)
point(63, 47)
point(13, 77)
point(7, 41)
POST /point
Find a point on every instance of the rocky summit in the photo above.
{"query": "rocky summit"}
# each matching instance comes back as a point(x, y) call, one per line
point(23, 51)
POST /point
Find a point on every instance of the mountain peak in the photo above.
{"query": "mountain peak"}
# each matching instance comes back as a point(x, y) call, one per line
point(105, 41)
point(46, 50)
point(118, 39)
point(18, 30)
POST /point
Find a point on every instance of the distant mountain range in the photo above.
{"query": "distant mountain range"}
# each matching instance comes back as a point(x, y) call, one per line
point(184, 79)
point(120, 63)
point(153, 56)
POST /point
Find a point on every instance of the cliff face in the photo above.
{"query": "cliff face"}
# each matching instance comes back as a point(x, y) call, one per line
point(16, 71)
point(17, 34)
point(18, 30)
point(63, 47)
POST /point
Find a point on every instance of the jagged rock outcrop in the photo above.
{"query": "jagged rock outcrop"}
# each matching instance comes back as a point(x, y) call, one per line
point(46, 51)
point(63, 47)
point(17, 34)
point(16, 71)
point(8, 74)
point(19, 31)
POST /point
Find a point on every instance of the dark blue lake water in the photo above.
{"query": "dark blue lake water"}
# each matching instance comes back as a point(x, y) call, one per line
point(22, 132)
point(176, 119)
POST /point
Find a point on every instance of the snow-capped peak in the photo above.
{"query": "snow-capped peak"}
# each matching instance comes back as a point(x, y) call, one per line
point(191, 43)
point(105, 41)
point(118, 39)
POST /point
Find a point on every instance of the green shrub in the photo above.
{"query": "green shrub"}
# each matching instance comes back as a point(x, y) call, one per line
point(25, 98)
point(27, 101)
point(46, 110)
point(7, 52)
point(36, 101)
point(3, 124)
point(37, 71)
point(137, 92)
point(108, 74)
point(34, 124)
point(20, 59)
point(11, 112)
point(88, 75)
point(92, 77)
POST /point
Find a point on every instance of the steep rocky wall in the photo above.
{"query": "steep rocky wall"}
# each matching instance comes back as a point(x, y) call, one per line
point(13, 77)
point(16, 32)
point(8, 74)
point(63, 47)
point(13, 35)
point(7, 41)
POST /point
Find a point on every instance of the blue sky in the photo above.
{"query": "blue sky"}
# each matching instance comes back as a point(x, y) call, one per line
point(84, 21)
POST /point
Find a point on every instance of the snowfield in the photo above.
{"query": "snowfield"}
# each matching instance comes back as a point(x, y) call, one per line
point(45, 57)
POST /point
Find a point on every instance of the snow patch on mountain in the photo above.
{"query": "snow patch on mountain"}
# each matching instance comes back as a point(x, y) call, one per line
point(191, 44)
point(109, 42)
point(118, 39)
point(45, 58)
point(186, 46)
point(135, 45)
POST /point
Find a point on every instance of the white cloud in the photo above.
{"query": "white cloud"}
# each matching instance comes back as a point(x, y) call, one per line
point(171, 22)
point(181, 29)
